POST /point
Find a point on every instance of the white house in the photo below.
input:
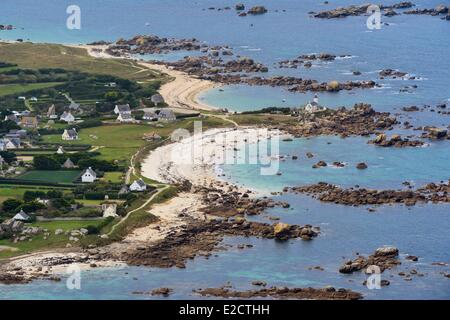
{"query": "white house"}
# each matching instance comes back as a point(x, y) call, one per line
point(67, 117)
point(21, 216)
point(70, 134)
point(88, 176)
point(138, 186)
point(11, 143)
point(122, 109)
point(125, 117)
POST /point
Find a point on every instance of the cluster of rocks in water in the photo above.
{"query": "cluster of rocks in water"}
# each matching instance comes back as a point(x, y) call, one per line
point(384, 258)
point(387, 10)
point(432, 192)
point(6, 27)
point(201, 238)
point(328, 293)
point(306, 60)
point(390, 73)
point(361, 120)
point(440, 10)
point(151, 44)
point(396, 140)
point(358, 10)
point(212, 65)
point(240, 8)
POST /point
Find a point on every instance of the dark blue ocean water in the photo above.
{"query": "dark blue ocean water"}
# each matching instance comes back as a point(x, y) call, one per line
point(419, 45)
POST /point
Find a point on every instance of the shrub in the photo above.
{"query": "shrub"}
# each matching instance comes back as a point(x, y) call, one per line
point(11, 205)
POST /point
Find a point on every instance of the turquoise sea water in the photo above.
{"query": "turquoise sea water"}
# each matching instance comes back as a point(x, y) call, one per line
point(419, 45)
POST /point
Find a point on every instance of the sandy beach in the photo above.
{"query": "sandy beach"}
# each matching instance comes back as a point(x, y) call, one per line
point(180, 93)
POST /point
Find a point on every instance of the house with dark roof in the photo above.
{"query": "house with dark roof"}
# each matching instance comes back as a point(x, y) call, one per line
point(70, 134)
point(125, 108)
point(166, 114)
point(125, 117)
point(88, 176)
point(12, 117)
point(22, 216)
point(138, 186)
point(67, 117)
point(157, 99)
point(150, 116)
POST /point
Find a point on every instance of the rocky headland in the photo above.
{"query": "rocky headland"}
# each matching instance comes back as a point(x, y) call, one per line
point(328, 293)
point(430, 193)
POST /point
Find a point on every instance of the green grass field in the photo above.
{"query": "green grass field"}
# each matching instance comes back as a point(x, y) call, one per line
point(120, 142)
point(114, 177)
point(57, 176)
point(34, 56)
point(9, 249)
point(7, 89)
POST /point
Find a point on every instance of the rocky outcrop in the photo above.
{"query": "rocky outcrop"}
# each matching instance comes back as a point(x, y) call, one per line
point(6, 27)
point(436, 193)
point(435, 133)
point(257, 10)
point(329, 293)
point(200, 238)
point(10, 227)
point(392, 73)
point(361, 120)
point(395, 141)
point(357, 10)
point(304, 59)
point(384, 258)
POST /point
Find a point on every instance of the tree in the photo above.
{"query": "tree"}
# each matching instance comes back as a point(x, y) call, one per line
point(42, 162)
point(8, 156)
point(11, 205)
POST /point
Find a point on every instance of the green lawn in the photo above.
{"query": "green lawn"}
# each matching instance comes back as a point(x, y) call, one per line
point(57, 176)
point(34, 56)
point(7, 89)
point(38, 243)
point(114, 177)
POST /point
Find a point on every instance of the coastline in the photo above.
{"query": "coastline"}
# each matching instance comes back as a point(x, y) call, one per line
point(180, 93)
